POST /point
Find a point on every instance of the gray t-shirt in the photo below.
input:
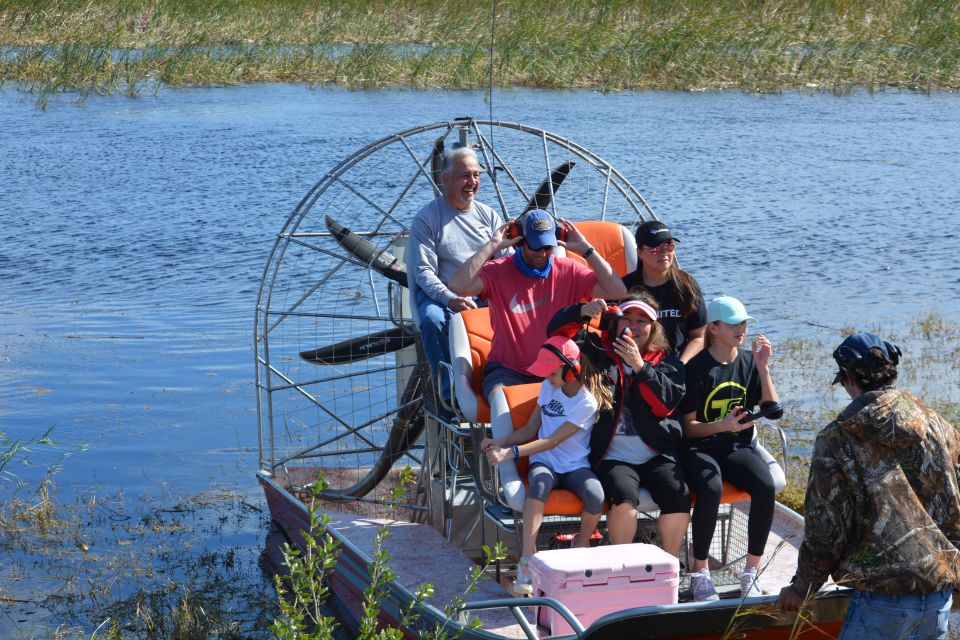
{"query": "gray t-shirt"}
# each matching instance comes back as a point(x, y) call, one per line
point(445, 238)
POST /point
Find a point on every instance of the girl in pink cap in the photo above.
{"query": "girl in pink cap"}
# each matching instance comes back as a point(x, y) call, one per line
point(557, 439)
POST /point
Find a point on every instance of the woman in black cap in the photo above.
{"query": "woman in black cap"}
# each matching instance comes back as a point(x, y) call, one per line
point(682, 311)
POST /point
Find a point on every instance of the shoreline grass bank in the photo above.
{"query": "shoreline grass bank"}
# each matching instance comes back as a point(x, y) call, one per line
point(111, 46)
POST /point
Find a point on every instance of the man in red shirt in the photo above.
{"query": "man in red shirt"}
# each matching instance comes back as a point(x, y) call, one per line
point(524, 289)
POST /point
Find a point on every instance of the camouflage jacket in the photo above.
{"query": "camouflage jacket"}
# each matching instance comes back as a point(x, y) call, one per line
point(883, 504)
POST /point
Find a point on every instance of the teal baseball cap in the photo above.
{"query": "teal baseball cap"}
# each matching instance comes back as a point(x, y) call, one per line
point(727, 309)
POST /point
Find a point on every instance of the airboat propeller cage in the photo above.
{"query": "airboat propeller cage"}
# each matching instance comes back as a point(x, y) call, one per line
point(338, 416)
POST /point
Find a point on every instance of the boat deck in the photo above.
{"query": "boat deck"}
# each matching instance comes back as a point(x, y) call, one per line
point(419, 555)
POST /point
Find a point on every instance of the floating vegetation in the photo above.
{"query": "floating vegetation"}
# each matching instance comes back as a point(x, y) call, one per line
point(804, 368)
point(109, 46)
point(132, 569)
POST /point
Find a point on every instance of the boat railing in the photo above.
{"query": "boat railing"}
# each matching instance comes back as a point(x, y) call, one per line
point(516, 606)
point(764, 427)
point(449, 404)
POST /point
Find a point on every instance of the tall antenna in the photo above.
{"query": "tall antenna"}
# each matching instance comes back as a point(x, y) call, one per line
point(493, 33)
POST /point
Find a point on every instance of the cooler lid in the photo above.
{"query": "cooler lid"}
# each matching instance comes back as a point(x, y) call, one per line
point(638, 562)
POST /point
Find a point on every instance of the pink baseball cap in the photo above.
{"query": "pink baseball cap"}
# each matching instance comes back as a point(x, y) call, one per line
point(640, 305)
point(547, 359)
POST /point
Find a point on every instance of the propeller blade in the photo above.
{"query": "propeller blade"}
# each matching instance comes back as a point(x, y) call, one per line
point(541, 199)
point(365, 251)
point(375, 344)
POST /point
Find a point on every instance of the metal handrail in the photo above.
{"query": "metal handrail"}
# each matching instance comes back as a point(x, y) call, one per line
point(446, 369)
point(784, 449)
point(515, 605)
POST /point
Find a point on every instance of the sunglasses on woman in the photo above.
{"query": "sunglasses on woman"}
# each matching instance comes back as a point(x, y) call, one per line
point(667, 246)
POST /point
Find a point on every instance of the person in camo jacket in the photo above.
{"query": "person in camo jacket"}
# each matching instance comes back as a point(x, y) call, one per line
point(882, 504)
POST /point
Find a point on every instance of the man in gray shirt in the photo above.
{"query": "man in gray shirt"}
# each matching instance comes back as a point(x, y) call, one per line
point(444, 234)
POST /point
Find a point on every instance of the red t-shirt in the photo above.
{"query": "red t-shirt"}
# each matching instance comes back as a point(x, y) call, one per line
point(521, 306)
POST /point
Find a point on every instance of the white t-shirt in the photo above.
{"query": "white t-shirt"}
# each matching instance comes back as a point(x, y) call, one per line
point(556, 409)
point(627, 445)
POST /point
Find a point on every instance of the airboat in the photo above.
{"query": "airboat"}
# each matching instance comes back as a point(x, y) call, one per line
point(344, 392)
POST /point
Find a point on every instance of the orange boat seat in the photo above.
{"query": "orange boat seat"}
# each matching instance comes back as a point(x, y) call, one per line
point(471, 334)
point(613, 241)
point(510, 410)
point(470, 338)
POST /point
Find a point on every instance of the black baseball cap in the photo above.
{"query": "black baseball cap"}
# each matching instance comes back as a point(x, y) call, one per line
point(653, 233)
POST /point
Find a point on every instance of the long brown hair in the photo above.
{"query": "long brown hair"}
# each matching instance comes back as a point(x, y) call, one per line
point(686, 290)
point(595, 381)
point(680, 281)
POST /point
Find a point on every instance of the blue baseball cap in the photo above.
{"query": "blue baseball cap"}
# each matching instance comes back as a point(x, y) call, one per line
point(854, 352)
point(727, 309)
point(539, 230)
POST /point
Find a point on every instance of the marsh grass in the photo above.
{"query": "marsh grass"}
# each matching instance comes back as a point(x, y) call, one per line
point(741, 620)
point(804, 368)
point(111, 46)
point(17, 451)
point(106, 566)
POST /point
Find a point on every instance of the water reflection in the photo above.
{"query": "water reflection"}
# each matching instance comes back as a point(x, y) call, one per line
point(135, 232)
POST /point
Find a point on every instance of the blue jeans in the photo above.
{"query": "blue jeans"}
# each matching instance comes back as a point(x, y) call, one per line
point(434, 325)
point(916, 616)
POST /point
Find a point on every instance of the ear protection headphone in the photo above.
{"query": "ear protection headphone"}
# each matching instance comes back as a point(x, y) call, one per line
point(850, 359)
point(608, 325)
point(515, 230)
point(571, 371)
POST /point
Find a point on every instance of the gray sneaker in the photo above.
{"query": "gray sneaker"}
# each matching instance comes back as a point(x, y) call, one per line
point(701, 586)
point(523, 585)
point(749, 585)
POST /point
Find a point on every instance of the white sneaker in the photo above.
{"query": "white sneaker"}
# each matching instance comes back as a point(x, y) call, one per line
point(749, 585)
point(701, 586)
point(523, 585)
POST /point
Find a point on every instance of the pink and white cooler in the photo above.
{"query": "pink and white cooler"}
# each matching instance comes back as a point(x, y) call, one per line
point(600, 580)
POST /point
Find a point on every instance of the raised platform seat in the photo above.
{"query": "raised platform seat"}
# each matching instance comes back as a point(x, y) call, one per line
point(471, 334)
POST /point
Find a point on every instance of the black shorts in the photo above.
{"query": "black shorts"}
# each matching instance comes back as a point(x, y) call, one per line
point(661, 476)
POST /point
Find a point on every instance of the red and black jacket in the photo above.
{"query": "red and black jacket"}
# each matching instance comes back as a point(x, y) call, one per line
point(653, 393)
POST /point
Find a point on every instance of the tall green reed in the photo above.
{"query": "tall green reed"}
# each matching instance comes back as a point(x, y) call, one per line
point(754, 46)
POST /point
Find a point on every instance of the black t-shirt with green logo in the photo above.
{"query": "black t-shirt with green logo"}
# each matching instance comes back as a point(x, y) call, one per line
point(714, 388)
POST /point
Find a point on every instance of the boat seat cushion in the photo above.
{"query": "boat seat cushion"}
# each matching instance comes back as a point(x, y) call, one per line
point(510, 409)
point(471, 334)
point(613, 241)
point(470, 338)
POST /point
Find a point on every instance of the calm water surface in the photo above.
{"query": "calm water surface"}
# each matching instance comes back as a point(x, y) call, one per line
point(134, 233)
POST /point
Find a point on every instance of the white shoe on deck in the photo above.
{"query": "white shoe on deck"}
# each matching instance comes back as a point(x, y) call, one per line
point(523, 585)
point(749, 585)
point(701, 586)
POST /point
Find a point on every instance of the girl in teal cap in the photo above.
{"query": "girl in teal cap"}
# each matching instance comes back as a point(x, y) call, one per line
point(725, 382)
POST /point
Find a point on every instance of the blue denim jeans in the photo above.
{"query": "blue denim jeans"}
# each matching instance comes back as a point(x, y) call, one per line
point(918, 616)
point(434, 333)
